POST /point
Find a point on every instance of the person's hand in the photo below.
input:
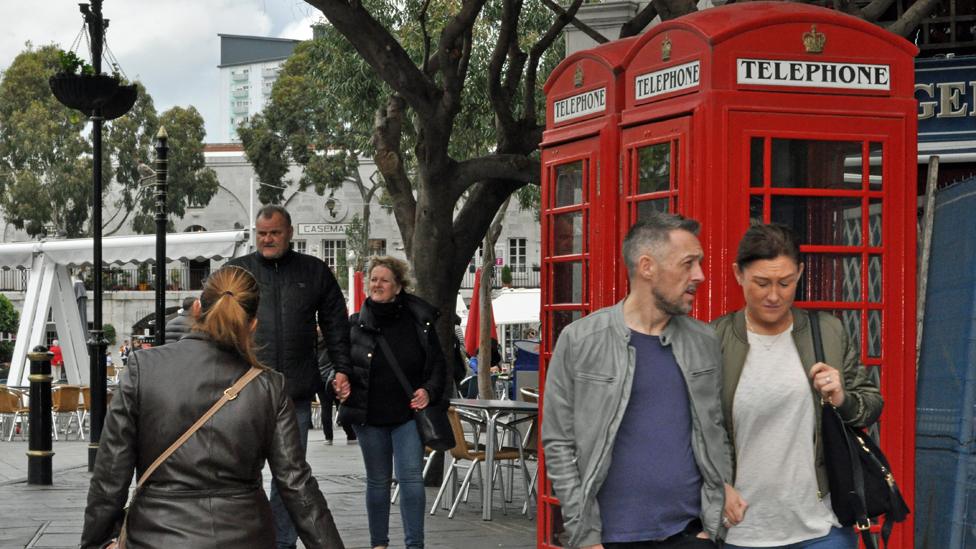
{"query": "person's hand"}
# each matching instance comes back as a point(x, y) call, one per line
point(113, 544)
point(828, 382)
point(597, 546)
point(735, 507)
point(420, 399)
point(341, 386)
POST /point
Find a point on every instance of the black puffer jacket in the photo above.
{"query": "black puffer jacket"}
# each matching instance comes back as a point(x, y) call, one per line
point(208, 493)
point(364, 346)
point(178, 326)
point(294, 289)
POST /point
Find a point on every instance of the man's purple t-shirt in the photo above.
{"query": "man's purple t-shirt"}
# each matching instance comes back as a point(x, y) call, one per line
point(653, 488)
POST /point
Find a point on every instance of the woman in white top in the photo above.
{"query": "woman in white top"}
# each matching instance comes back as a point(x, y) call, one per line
point(771, 394)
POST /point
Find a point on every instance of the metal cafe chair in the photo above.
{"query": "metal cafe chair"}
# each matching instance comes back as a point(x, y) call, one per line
point(65, 407)
point(466, 452)
point(12, 408)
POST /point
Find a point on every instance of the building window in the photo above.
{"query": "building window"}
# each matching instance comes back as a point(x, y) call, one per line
point(334, 254)
point(376, 246)
point(300, 246)
point(516, 254)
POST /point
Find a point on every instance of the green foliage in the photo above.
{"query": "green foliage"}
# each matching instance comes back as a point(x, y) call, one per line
point(506, 275)
point(72, 64)
point(109, 333)
point(188, 180)
point(143, 274)
point(46, 164)
point(8, 324)
point(357, 237)
point(320, 116)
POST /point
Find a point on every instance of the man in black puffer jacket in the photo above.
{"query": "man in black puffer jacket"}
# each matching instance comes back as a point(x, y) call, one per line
point(297, 291)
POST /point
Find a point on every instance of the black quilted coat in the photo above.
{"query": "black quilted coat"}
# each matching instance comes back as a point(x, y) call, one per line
point(364, 346)
point(294, 289)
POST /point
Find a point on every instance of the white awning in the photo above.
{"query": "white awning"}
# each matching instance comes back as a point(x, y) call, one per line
point(516, 306)
point(127, 249)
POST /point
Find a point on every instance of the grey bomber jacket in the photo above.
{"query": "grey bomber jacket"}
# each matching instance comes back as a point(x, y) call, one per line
point(588, 384)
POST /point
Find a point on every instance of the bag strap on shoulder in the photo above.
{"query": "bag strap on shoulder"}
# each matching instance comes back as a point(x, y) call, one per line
point(862, 522)
point(229, 394)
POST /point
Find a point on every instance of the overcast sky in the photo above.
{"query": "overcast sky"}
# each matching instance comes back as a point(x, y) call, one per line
point(169, 45)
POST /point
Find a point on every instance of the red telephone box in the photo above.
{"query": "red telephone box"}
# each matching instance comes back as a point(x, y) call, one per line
point(761, 111)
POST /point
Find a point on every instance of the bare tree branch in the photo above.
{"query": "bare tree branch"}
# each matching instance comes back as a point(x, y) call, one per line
point(508, 167)
point(639, 21)
point(874, 10)
point(910, 20)
point(507, 39)
point(387, 135)
point(383, 52)
point(535, 54)
point(669, 9)
point(426, 36)
point(583, 27)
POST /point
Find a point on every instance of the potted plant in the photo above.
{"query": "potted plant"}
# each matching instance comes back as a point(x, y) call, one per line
point(76, 86)
point(142, 276)
point(506, 276)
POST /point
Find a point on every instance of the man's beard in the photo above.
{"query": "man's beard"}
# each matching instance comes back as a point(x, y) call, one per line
point(671, 307)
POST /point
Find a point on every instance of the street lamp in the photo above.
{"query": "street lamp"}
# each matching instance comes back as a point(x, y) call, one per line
point(162, 152)
point(100, 97)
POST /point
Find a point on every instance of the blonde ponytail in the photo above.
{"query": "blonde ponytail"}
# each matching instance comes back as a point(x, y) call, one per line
point(229, 304)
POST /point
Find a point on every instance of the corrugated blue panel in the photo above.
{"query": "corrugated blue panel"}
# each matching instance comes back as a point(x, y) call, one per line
point(945, 472)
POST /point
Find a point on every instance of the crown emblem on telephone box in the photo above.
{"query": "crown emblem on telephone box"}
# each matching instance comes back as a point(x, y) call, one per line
point(814, 41)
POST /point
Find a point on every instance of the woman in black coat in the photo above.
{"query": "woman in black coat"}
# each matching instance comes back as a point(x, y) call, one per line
point(208, 493)
point(378, 405)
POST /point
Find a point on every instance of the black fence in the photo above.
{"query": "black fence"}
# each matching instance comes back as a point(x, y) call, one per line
point(120, 279)
point(140, 278)
point(520, 279)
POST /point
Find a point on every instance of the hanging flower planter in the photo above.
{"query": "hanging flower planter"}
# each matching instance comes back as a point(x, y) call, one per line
point(83, 91)
point(121, 102)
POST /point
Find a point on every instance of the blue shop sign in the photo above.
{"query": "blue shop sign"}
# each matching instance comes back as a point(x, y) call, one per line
point(946, 91)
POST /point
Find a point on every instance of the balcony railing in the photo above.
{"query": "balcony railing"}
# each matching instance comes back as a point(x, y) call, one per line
point(119, 279)
point(520, 279)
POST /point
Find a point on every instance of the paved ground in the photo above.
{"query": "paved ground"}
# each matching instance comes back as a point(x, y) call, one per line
point(51, 516)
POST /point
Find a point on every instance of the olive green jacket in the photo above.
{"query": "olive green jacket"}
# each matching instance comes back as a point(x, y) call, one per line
point(862, 402)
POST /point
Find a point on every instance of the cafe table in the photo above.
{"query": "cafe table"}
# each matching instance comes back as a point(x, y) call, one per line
point(492, 410)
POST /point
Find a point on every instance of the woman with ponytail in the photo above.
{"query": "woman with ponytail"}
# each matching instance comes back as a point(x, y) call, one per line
point(208, 493)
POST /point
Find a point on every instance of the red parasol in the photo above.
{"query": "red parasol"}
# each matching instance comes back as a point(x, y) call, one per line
point(471, 331)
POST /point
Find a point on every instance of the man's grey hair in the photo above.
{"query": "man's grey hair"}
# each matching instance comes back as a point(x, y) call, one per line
point(268, 212)
point(651, 232)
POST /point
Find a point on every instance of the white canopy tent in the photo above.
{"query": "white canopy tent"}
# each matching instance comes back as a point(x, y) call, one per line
point(50, 288)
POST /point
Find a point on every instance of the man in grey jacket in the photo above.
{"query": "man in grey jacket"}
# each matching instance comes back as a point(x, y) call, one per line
point(632, 426)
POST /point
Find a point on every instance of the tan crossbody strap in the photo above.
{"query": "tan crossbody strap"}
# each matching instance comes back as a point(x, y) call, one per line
point(229, 394)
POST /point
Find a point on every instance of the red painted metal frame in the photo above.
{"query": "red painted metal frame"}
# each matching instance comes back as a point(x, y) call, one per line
point(712, 125)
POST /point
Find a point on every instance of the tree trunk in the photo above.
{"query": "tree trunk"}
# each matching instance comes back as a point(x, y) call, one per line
point(485, 386)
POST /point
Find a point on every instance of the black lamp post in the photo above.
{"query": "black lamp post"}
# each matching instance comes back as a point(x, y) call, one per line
point(162, 152)
point(100, 97)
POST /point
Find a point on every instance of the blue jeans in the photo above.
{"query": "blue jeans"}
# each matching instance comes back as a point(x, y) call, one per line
point(837, 538)
point(384, 447)
point(285, 535)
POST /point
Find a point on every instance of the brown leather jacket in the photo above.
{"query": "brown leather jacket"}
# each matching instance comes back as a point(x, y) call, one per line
point(208, 493)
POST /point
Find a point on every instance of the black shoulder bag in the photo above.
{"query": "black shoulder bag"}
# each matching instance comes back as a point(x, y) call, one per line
point(862, 487)
point(432, 423)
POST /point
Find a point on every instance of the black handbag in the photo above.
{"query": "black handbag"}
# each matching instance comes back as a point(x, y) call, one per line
point(862, 487)
point(432, 423)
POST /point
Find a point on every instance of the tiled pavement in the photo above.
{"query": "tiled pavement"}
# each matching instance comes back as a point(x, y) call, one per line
point(51, 516)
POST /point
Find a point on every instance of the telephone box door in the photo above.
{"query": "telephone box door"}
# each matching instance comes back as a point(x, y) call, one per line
point(656, 167)
point(836, 181)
